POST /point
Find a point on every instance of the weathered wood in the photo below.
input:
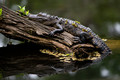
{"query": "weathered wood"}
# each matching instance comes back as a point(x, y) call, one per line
point(16, 27)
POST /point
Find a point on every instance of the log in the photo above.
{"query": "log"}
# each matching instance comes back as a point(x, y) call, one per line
point(19, 28)
point(56, 54)
point(16, 27)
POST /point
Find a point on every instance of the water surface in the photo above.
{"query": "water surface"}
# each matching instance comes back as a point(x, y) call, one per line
point(102, 16)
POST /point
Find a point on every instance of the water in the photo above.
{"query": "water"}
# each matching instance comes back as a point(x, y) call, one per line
point(102, 16)
point(108, 69)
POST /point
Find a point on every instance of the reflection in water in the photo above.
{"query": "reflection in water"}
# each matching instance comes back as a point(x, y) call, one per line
point(114, 44)
point(33, 76)
point(108, 69)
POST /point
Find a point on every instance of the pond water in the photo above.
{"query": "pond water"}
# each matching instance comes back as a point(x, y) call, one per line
point(102, 16)
point(108, 69)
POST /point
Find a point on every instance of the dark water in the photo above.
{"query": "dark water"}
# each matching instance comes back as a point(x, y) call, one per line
point(102, 16)
point(108, 69)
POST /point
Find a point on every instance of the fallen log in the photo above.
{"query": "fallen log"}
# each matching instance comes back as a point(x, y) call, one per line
point(61, 48)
